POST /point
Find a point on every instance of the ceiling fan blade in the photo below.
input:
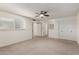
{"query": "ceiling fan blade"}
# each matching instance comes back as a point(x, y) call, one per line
point(45, 12)
point(42, 12)
point(46, 15)
point(34, 19)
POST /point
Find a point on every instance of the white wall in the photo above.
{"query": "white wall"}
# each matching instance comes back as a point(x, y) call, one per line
point(34, 29)
point(39, 29)
point(67, 28)
point(77, 28)
point(64, 28)
point(11, 37)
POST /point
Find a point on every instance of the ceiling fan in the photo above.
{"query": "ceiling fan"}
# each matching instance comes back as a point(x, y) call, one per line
point(42, 14)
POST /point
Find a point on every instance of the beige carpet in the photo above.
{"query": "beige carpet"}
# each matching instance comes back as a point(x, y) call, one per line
point(44, 46)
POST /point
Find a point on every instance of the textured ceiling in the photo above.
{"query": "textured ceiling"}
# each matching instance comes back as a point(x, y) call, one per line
point(56, 10)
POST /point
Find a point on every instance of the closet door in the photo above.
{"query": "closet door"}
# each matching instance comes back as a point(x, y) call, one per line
point(37, 31)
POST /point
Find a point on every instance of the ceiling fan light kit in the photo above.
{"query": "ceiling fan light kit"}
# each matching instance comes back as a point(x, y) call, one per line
point(42, 14)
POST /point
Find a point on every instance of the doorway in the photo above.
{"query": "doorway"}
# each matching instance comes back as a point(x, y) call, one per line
point(39, 29)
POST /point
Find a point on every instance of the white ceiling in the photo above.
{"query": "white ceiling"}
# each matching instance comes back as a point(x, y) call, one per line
point(56, 10)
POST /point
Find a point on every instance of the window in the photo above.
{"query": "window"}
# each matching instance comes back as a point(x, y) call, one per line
point(11, 24)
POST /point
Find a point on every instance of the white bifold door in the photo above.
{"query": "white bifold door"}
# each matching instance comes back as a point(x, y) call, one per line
point(39, 29)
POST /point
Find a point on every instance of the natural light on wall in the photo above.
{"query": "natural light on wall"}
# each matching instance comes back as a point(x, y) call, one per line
point(11, 23)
